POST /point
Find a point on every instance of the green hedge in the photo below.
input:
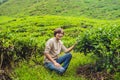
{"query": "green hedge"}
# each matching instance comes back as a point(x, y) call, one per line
point(15, 47)
point(104, 42)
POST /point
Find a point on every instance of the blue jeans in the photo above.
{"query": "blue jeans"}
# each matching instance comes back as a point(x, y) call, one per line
point(65, 60)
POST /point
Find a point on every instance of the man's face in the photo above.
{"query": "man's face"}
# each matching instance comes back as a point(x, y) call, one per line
point(59, 35)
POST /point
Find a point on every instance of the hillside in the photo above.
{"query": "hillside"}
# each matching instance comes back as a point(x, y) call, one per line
point(26, 25)
point(100, 9)
point(23, 39)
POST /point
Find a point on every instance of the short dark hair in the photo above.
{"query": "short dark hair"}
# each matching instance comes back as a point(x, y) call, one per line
point(58, 30)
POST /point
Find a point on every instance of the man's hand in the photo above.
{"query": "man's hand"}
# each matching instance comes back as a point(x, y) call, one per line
point(57, 64)
point(76, 43)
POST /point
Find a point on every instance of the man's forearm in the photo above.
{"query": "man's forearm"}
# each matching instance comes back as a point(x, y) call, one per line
point(49, 57)
point(52, 60)
point(69, 49)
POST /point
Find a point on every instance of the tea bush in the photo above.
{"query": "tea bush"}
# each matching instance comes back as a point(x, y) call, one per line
point(104, 42)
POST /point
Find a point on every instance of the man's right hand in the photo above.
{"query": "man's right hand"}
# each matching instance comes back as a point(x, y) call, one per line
point(57, 64)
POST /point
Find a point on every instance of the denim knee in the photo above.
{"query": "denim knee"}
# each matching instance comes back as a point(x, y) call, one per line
point(60, 70)
point(69, 55)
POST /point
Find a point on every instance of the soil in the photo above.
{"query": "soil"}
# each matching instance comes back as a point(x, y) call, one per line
point(88, 72)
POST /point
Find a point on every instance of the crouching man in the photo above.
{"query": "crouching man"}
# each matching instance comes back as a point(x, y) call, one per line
point(52, 49)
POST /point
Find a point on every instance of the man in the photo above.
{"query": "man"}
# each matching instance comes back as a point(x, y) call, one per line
point(53, 47)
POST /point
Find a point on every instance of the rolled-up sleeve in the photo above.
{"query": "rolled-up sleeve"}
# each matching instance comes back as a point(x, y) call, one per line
point(48, 46)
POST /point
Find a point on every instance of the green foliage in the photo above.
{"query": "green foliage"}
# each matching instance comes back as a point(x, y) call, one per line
point(2, 1)
point(24, 37)
point(116, 77)
point(33, 71)
point(100, 9)
point(103, 42)
point(4, 19)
